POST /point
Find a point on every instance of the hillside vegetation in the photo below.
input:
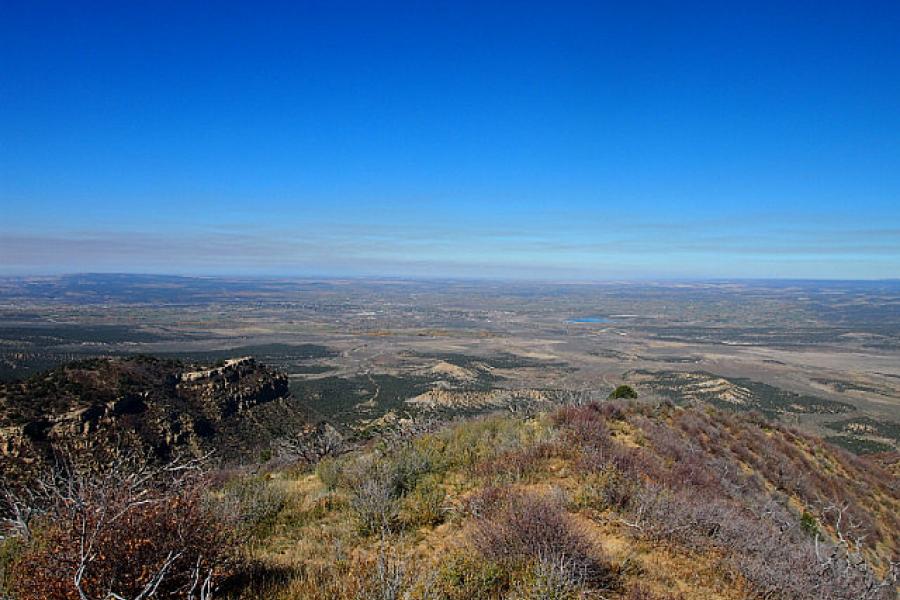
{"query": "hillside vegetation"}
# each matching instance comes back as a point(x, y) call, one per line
point(605, 500)
point(620, 499)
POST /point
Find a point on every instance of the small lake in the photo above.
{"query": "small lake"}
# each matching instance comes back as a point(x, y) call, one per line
point(588, 320)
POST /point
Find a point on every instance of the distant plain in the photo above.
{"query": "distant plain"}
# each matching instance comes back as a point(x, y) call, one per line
point(363, 354)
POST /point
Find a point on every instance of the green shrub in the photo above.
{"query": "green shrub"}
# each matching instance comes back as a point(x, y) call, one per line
point(623, 392)
point(610, 489)
point(474, 441)
point(380, 486)
point(9, 551)
point(463, 577)
point(424, 507)
point(404, 468)
point(254, 502)
point(809, 523)
point(330, 472)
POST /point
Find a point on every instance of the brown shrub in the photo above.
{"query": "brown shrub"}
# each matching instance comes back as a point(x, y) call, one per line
point(125, 531)
point(608, 489)
point(517, 465)
point(773, 554)
point(374, 506)
point(583, 425)
point(687, 486)
point(640, 592)
point(522, 529)
point(613, 411)
point(485, 501)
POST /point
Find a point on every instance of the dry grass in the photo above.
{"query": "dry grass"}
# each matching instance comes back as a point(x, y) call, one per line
point(615, 500)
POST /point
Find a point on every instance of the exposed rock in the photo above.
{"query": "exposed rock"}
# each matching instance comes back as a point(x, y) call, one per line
point(105, 407)
point(441, 397)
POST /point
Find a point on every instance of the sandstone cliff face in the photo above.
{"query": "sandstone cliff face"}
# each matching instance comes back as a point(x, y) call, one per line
point(231, 389)
point(109, 406)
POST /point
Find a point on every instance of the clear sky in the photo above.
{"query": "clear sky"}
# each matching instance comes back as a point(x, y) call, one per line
point(550, 140)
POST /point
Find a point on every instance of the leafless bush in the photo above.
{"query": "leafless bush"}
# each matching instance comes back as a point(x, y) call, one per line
point(705, 482)
point(308, 446)
point(130, 531)
point(768, 548)
point(386, 579)
point(251, 503)
point(614, 410)
point(585, 426)
point(516, 465)
point(693, 471)
point(525, 528)
point(374, 506)
point(574, 397)
point(695, 425)
point(548, 577)
point(485, 501)
point(843, 561)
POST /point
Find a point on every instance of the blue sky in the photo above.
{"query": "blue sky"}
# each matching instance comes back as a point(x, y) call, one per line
point(557, 140)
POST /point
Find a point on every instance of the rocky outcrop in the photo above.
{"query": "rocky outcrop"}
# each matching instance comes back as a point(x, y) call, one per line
point(107, 407)
point(498, 398)
point(233, 388)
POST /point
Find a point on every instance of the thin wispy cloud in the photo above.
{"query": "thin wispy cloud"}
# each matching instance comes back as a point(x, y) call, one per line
point(648, 249)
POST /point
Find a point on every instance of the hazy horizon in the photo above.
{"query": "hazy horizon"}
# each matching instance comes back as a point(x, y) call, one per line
point(391, 277)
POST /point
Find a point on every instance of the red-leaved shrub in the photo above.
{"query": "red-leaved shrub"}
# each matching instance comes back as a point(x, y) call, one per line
point(129, 532)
